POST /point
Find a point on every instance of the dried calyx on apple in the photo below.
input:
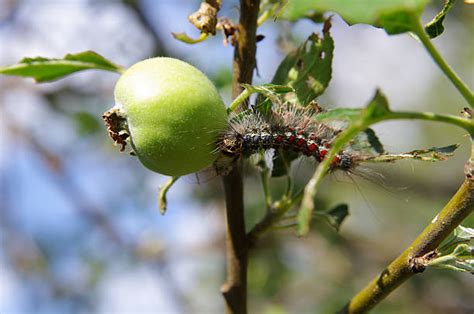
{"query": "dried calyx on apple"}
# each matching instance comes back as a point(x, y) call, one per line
point(170, 113)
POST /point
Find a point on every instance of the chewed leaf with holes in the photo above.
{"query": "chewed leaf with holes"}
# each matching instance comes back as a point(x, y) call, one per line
point(308, 69)
point(46, 69)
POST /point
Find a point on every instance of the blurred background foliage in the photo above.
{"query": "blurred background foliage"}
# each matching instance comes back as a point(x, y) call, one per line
point(80, 229)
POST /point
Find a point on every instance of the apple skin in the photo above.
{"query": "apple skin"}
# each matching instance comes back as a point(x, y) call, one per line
point(174, 115)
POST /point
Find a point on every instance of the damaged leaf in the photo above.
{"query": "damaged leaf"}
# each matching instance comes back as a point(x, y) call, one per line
point(308, 69)
point(430, 154)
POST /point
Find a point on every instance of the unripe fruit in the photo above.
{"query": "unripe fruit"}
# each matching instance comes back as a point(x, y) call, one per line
point(173, 114)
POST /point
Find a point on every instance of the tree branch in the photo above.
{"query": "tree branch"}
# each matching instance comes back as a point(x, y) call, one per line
point(245, 49)
point(404, 266)
point(234, 289)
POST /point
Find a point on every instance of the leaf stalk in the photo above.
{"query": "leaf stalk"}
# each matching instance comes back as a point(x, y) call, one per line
point(462, 87)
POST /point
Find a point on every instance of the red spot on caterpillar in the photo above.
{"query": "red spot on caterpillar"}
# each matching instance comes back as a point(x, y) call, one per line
point(312, 147)
point(301, 142)
point(300, 132)
point(291, 139)
point(280, 138)
point(323, 153)
point(335, 161)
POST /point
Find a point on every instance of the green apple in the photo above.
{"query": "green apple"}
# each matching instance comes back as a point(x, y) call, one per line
point(173, 115)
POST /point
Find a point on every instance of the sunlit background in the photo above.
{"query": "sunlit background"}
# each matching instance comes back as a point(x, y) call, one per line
point(80, 228)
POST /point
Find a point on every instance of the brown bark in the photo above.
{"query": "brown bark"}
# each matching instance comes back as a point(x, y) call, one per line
point(234, 289)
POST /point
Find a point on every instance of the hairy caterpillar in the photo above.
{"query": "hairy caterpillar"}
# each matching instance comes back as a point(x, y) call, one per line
point(288, 127)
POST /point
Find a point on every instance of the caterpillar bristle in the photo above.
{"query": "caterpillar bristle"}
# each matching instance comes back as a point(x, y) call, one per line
point(286, 127)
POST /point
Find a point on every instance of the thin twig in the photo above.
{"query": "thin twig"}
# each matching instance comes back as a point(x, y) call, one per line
point(243, 96)
point(273, 216)
point(402, 268)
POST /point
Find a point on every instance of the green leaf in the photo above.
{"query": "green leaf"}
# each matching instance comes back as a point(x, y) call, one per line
point(399, 22)
point(377, 109)
point(281, 163)
point(456, 252)
point(368, 138)
point(308, 69)
point(343, 114)
point(396, 16)
point(335, 216)
point(374, 141)
point(435, 27)
point(463, 251)
point(458, 236)
point(188, 40)
point(45, 69)
point(461, 259)
point(464, 233)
